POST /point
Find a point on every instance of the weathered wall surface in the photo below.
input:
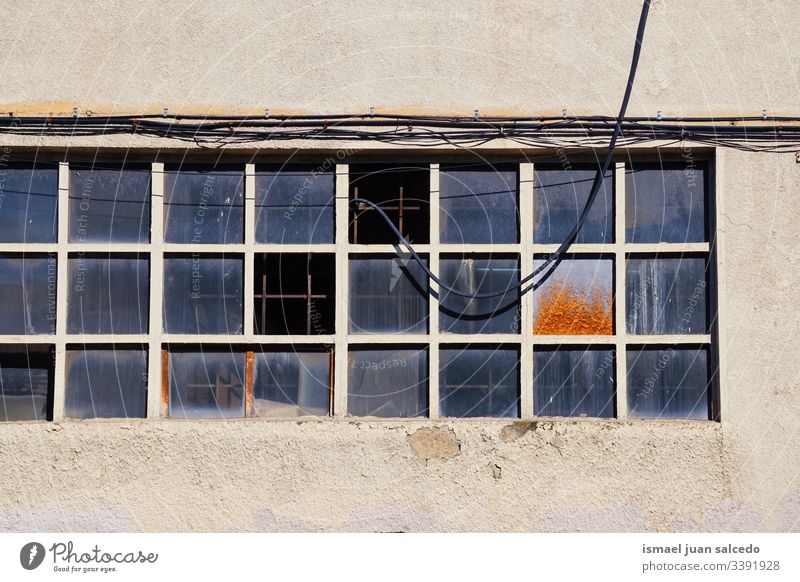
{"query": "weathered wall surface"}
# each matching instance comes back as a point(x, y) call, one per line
point(708, 58)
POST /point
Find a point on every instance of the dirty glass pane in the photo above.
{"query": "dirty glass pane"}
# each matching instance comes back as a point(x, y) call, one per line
point(106, 383)
point(203, 206)
point(478, 205)
point(665, 203)
point(28, 200)
point(560, 197)
point(387, 295)
point(388, 382)
point(27, 294)
point(108, 295)
point(108, 205)
point(668, 383)
point(206, 384)
point(294, 204)
point(574, 382)
point(26, 382)
point(666, 295)
point(577, 299)
point(203, 294)
point(479, 382)
point(291, 383)
point(480, 275)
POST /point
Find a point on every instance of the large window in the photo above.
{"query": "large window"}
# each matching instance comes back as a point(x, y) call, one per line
point(196, 289)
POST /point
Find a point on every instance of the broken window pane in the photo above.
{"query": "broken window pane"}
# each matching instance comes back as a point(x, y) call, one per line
point(559, 199)
point(203, 206)
point(388, 382)
point(294, 293)
point(294, 205)
point(108, 294)
point(109, 205)
point(28, 292)
point(28, 201)
point(666, 295)
point(479, 382)
point(206, 384)
point(668, 383)
point(387, 295)
point(665, 203)
point(480, 275)
point(106, 383)
point(26, 382)
point(576, 299)
point(402, 192)
point(574, 382)
point(478, 205)
point(203, 294)
point(292, 383)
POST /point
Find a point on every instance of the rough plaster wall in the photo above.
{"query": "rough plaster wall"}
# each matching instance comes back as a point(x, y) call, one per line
point(741, 475)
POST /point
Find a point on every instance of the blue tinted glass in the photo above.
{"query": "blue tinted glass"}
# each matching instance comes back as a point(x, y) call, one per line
point(390, 382)
point(574, 382)
point(26, 382)
point(291, 383)
point(106, 383)
point(28, 292)
point(294, 205)
point(28, 201)
point(206, 384)
point(478, 205)
point(203, 207)
point(479, 382)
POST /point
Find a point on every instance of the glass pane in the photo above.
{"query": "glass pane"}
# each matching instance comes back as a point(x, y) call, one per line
point(668, 383)
point(577, 299)
point(26, 382)
point(109, 205)
point(402, 192)
point(666, 295)
point(206, 384)
point(28, 294)
point(108, 295)
point(665, 204)
point(574, 382)
point(480, 275)
point(560, 197)
point(390, 383)
point(203, 207)
point(294, 205)
point(292, 383)
point(478, 206)
point(387, 295)
point(106, 383)
point(479, 382)
point(28, 200)
point(203, 294)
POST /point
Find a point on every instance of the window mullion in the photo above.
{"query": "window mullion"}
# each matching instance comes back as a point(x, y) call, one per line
point(433, 309)
point(342, 291)
point(619, 298)
point(62, 282)
point(526, 202)
point(155, 406)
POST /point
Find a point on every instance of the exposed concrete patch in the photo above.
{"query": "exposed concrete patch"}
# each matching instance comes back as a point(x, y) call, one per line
point(438, 442)
point(497, 471)
point(512, 432)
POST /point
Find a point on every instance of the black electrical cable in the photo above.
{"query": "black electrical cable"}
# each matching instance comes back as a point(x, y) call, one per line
point(556, 257)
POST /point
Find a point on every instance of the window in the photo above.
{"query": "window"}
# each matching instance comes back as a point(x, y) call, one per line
point(402, 192)
point(294, 205)
point(203, 205)
point(28, 203)
point(294, 294)
point(479, 382)
point(478, 205)
point(250, 302)
point(26, 382)
point(28, 291)
point(109, 205)
point(108, 294)
point(106, 383)
point(203, 294)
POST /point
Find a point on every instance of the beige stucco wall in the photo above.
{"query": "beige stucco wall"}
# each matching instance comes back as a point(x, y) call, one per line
point(706, 58)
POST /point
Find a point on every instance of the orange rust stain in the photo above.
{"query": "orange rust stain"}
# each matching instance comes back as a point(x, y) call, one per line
point(566, 310)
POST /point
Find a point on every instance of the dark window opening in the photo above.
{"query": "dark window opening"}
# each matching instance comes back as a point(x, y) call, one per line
point(294, 294)
point(28, 202)
point(402, 192)
point(26, 382)
point(479, 382)
point(206, 384)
